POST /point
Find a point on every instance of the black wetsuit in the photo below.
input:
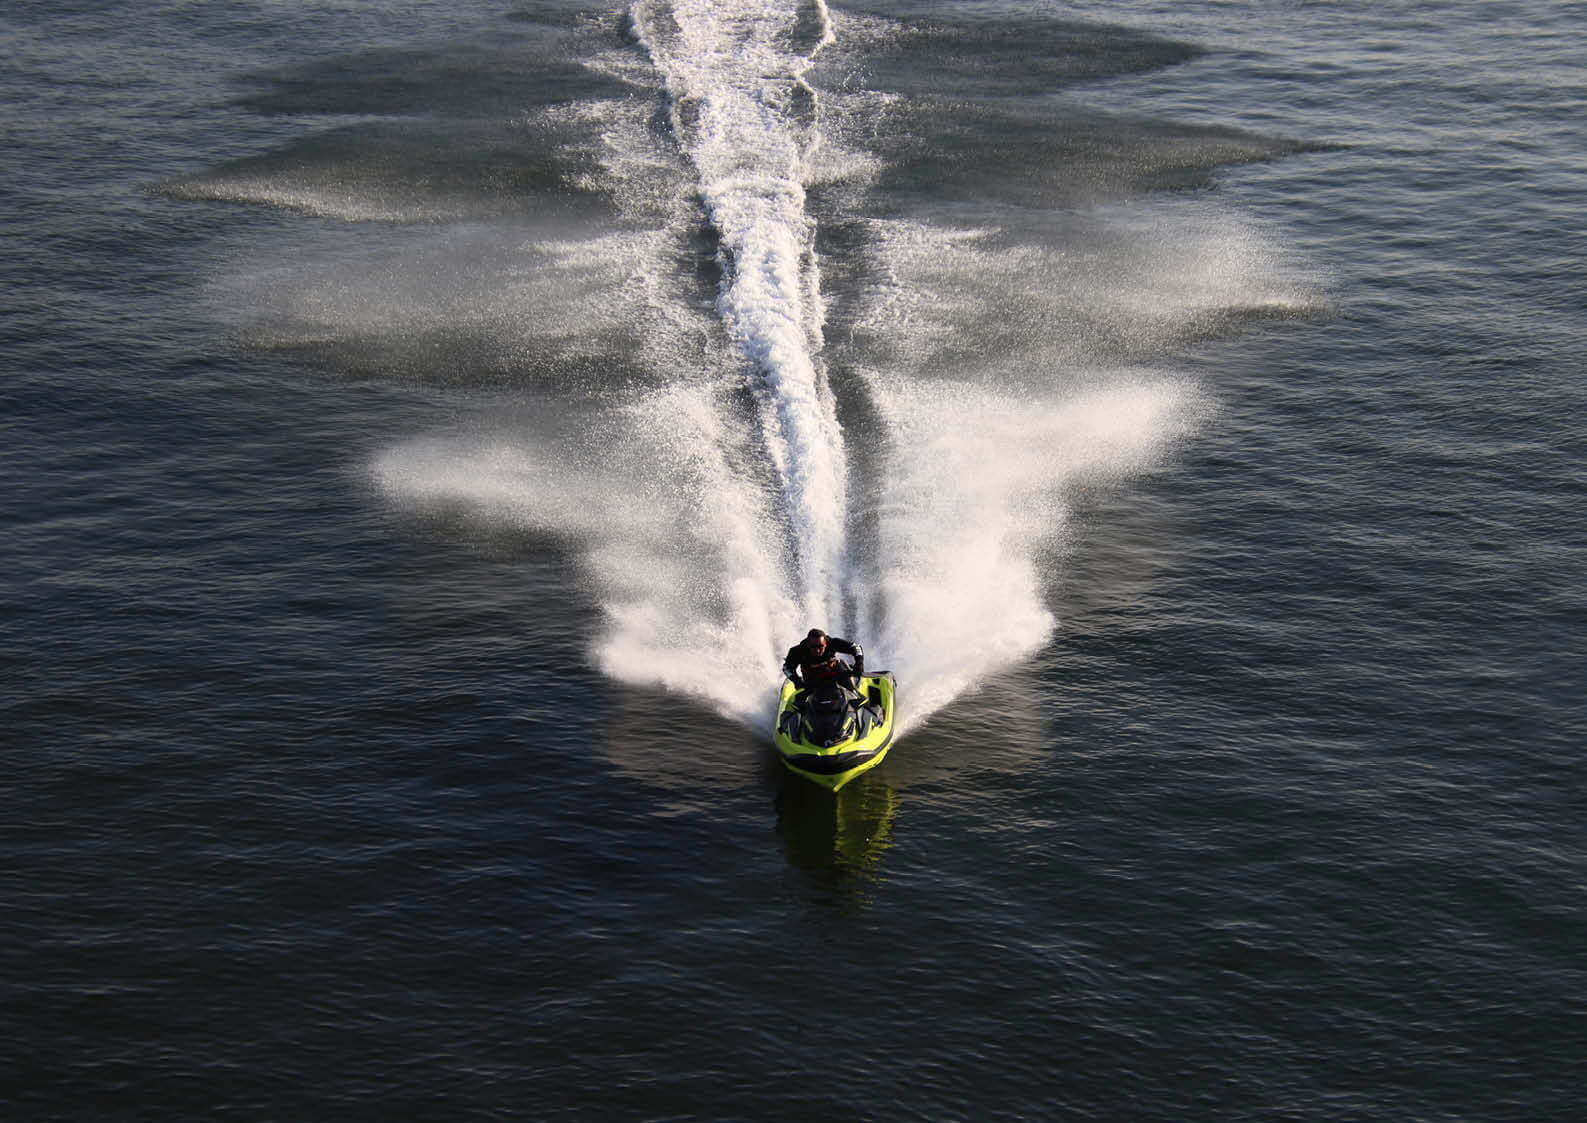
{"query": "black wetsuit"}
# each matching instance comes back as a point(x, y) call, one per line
point(805, 667)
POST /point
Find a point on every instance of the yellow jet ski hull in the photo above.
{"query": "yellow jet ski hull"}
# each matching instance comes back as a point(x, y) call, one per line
point(829, 747)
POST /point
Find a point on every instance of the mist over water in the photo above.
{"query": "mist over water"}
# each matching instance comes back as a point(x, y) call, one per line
point(775, 385)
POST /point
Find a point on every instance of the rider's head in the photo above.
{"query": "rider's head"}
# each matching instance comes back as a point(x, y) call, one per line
point(816, 640)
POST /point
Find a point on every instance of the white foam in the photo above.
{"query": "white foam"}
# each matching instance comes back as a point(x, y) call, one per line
point(713, 543)
point(973, 495)
point(688, 558)
point(513, 295)
point(682, 553)
point(336, 200)
point(1077, 290)
point(732, 83)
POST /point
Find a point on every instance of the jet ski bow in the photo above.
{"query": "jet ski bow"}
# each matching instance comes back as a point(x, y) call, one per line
point(830, 734)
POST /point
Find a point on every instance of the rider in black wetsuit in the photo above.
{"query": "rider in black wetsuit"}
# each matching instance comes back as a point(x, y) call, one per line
point(815, 659)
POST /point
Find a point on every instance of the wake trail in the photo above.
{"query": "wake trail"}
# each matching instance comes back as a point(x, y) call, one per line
point(710, 506)
point(743, 114)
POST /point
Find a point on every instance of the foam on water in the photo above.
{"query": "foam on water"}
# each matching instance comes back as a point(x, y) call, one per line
point(973, 497)
point(323, 200)
point(713, 512)
point(683, 554)
point(737, 101)
point(1073, 292)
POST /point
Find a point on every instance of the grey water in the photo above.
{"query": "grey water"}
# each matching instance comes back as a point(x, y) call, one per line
point(426, 425)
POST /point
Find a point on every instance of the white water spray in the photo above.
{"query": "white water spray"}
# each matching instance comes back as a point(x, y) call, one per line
point(713, 512)
point(735, 88)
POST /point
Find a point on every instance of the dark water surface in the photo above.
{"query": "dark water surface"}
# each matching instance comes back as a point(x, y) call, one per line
point(398, 552)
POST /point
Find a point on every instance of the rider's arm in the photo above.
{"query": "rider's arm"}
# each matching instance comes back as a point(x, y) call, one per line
point(790, 667)
point(846, 648)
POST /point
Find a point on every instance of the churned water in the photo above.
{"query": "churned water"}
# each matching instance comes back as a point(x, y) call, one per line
point(427, 426)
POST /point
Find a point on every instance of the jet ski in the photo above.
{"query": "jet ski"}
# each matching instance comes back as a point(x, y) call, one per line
point(829, 733)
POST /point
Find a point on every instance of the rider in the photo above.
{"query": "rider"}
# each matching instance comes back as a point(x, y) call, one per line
point(815, 659)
